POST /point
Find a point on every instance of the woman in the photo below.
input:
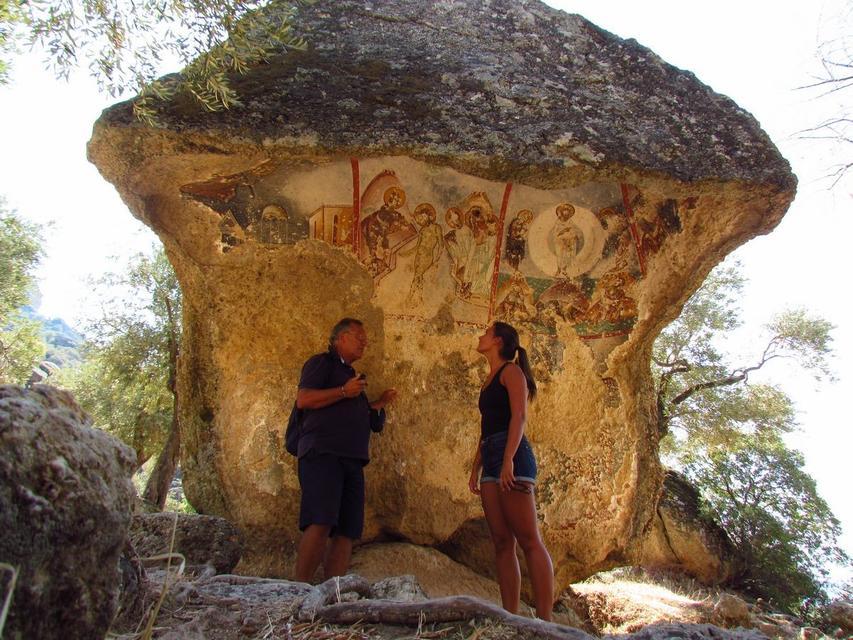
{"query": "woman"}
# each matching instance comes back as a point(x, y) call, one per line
point(509, 470)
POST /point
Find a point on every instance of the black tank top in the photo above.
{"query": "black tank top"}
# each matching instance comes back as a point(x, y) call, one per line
point(495, 411)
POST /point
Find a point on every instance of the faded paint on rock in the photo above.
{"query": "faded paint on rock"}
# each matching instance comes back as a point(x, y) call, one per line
point(435, 240)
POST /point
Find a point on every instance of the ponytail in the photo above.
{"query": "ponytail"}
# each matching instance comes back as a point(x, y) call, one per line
point(524, 363)
point(512, 349)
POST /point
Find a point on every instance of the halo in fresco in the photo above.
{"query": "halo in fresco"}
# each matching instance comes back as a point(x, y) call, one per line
point(544, 242)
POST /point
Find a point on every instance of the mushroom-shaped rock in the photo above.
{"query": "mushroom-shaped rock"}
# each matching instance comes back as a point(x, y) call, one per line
point(429, 167)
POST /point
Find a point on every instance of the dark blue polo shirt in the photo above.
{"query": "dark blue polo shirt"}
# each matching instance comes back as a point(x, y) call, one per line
point(342, 428)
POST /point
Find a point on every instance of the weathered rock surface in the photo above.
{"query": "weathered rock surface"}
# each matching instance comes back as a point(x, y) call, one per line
point(436, 573)
point(731, 611)
point(680, 537)
point(429, 167)
point(669, 631)
point(840, 614)
point(65, 505)
point(201, 539)
point(399, 589)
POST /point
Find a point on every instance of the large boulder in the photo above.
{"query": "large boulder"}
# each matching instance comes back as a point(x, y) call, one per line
point(65, 505)
point(839, 613)
point(682, 537)
point(429, 166)
point(200, 539)
point(438, 575)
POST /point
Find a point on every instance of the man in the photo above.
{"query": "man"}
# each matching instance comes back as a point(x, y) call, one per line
point(333, 449)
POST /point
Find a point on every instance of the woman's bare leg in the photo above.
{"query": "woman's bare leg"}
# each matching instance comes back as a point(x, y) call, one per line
point(519, 512)
point(509, 573)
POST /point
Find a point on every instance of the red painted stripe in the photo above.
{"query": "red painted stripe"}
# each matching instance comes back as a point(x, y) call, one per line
point(633, 226)
point(356, 206)
point(504, 204)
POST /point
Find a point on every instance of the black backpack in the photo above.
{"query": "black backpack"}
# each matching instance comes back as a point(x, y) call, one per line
point(293, 431)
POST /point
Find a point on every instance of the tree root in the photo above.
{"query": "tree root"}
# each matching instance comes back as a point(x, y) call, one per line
point(230, 578)
point(319, 604)
point(329, 591)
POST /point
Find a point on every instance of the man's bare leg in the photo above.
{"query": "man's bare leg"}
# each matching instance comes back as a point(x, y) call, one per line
point(312, 546)
point(338, 557)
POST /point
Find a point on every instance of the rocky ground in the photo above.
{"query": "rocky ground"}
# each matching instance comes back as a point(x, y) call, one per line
point(628, 604)
point(201, 605)
point(67, 508)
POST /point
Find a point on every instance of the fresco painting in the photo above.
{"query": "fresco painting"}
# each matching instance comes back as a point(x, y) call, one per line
point(332, 224)
point(385, 224)
point(433, 238)
point(248, 208)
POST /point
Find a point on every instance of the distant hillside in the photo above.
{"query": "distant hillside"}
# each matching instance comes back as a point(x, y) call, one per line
point(63, 342)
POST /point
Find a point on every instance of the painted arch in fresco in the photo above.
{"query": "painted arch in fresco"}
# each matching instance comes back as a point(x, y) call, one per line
point(432, 237)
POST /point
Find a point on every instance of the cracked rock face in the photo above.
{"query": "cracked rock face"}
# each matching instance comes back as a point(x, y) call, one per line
point(65, 505)
point(430, 167)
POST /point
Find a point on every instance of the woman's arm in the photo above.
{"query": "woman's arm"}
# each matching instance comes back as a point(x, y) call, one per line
point(512, 378)
point(473, 479)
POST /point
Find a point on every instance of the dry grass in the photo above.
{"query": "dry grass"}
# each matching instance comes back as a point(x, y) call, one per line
point(10, 588)
point(626, 601)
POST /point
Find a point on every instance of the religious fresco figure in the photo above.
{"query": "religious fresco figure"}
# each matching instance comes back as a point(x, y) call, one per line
point(566, 299)
point(666, 221)
point(480, 218)
point(568, 239)
point(619, 240)
point(611, 303)
point(384, 230)
point(234, 197)
point(230, 233)
point(516, 301)
point(276, 226)
point(516, 238)
point(271, 228)
point(458, 242)
point(427, 251)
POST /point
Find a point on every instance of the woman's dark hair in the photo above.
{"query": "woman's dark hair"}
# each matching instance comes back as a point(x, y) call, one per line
point(511, 347)
point(342, 326)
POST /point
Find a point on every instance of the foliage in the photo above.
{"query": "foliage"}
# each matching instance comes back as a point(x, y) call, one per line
point(10, 16)
point(21, 344)
point(726, 434)
point(21, 348)
point(699, 394)
point(785, 533)
point(20, 252)
point(126, 378)
point(124, 41)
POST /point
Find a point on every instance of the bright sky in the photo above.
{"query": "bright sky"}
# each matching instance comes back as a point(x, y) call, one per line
point(755, 51)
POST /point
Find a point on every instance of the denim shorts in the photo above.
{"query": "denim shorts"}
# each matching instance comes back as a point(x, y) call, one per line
point(492, 455)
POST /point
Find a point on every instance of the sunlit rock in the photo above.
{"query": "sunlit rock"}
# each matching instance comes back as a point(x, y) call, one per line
point(429, 167)
point(683, 538)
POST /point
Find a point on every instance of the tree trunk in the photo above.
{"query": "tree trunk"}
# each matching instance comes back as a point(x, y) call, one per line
point(160, 480)
point(164, 470)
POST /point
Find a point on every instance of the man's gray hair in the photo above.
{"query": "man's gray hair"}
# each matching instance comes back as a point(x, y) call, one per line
point(343, 326)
